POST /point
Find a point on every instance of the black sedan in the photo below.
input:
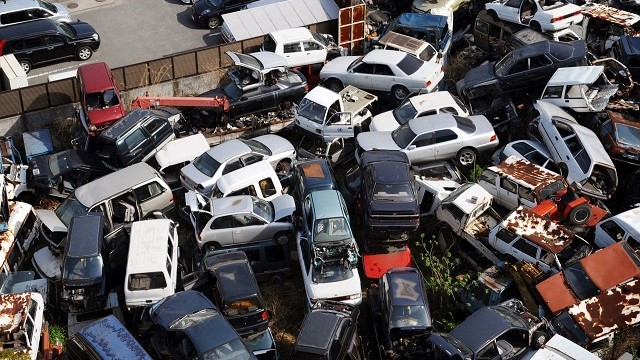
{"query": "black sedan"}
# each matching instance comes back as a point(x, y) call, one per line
point(60, 173)
point(526, 67)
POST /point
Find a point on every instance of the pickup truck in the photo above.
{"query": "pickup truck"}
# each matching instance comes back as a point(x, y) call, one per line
point(434, 181)
point(329, 115)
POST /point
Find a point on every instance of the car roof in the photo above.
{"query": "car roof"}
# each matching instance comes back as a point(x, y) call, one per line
point(234, 275)
point(421, 21)
point(326, 204)
point(405, 287)
point(129, 121)
point(380, 56)
point(111, 184)
point(232, 205)
point(539, 230)
point(27, 29)
point(428, 123)
point(108, 337)
point(229, 149)
point(96, 77)
point(375, 156)
point(403, 42)
point(469, 202)
point(317, 331)
point(434, 100)
point(245, 175)
point(526, 173)
point(484, 324)
point(539, 147)
point(528, 50)
point(293, 34)
point(12, 5)
point(576, 75)
point(148, 239)
point(612, 265)
point(180, 304)
point(315, 173)
point(85, 235)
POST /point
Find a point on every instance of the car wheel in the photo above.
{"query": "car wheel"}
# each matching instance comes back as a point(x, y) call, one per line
point(494, 15)
point(335, 85)
point(535, 26)
point(210, 246)
point(580, 214)
point(213, 23)
point(26, 66)
point(399, 92)
point(84, 53)
point(467, 157)
point(281, 238)
point(538, 339)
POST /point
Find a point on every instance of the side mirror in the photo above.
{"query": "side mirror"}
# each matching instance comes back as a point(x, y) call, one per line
point(411, 147)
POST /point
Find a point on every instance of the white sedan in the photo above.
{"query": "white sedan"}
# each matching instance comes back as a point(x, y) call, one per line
point(382, 70)
point(540, 15)
point(434, 137)
point(416, 106)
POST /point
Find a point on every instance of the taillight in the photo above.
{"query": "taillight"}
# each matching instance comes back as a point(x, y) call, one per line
point(265, 315)
point(306, 87)
point(427, 84)
point(2, 42)
point(171, 200)
point(575, 13)
point(493, 138)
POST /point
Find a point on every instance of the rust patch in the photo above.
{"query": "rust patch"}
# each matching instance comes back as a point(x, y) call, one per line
point(526, 173)
point(13, 311)
point(610, 311)
point(612, 15)
point(313, 171)
point(540, 231)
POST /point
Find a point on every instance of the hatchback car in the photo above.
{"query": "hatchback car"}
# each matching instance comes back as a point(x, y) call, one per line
point(209, 12)
point(434, 137)
point(44, 41)
point(99, 97)
point(203, 173)
point(579, 153)
point(243, 219)
point(60, 173)
point(416, 106)
point(620, 135)
point(187, 325)
point(530, 150)
point(390, 71)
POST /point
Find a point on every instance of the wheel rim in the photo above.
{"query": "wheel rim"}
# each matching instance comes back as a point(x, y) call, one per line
point(84, 54)
point(334, 86)
point(282, 239)
point(25, 66)
point(214, 23)
point(400, 94)
point(582, 215)
point(467, 158)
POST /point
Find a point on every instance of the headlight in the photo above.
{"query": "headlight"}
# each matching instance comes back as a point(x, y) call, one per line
point(355, 296)
point(36, 171)
point(95, 37)
point(206, 12)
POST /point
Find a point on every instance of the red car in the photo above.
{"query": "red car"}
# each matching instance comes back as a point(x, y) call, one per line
point(99, 97)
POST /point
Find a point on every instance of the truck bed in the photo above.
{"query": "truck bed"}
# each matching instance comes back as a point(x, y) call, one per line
point(481, 226)
point(355, 99)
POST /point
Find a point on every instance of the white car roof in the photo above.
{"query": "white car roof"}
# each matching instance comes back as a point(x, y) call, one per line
point(434, 100)
point(148, 241)
point(228, 150)
point(246, 175)
point(630, 221)
point(427, 123)
point(182, 149)
point(323, 96)
point(381, 56)
point(464, 201)
point(294, 34)
point(576, 75)
point(232, 205)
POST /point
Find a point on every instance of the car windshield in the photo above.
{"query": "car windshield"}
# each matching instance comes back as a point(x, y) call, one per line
point(331, 272)
point(628, 135)
point(459, 345)
point(264, 209)
point(88, 268)
point(567, 327)
point(214, 3)
point(232, 91)
point(331, 229)
point(404, 113)
point(67, 30)
point(428, 53)
point(58, 162)
point(406, 316)
point(70, 208)
point(206, 164)
point(48, 6)
point(242, 307)
point(232, 350)
point(319, 38)
point(503, 65)
point(312, 111)
point(257, 147)
point(393, 192)
point(355, 63)
point(409, 64)
point(510, 316)
point(194, 319)
point(579, 282)
point(403, 136)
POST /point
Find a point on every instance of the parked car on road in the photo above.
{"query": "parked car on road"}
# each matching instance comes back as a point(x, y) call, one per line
point(208, 13)
point(539, 15)
point(38, 42)
point(434, 137)
point(388, 71)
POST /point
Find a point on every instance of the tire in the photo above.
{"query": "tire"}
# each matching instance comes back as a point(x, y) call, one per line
point(399, 92)
point(467, 157)
point(580, 214)
point(26, 66)
point(213, 22)
point(538, 339)
point(335, 85)
point(445, 238)
point(84, 53)
point(535, 26)
point(493, 15)
point(281, 238)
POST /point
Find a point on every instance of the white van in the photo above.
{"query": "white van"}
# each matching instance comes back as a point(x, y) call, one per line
point(299, 46)
point(259, 179)
point(21, 323)
point(152, 264)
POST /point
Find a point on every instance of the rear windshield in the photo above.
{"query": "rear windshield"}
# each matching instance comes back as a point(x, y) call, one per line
point(242, 307)
point(147, 281)
point(561, 51)
point(579, 282)
point(409, 65)
point(206, 164)
point(465, 124)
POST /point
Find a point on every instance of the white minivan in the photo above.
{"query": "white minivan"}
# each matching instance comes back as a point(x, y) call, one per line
point(152, 263)
point(299, 46)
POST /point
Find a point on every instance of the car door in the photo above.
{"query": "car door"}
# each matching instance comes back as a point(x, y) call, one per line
point(421, 149)
point(57, 47)
point(382, 78)
point(158, 130)
point(151, 197)
point(269, 95)
point(33, 49)
point(360, 76)
point(446, 144)
point(515, 76)
point(508, 193)
point(219, 230)
point(511, 11)
point(134, 146)
point(540, 69)
point(247, 227)
point(292, 52)
point(314, 53)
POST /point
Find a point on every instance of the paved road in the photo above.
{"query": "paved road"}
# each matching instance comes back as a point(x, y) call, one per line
point(134, 31)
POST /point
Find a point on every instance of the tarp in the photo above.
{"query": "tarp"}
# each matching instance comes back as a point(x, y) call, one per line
point(286, 14)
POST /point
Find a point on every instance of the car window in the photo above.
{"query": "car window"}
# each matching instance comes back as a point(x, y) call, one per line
point(506, 235)
point(526, 247)
point(513, 3)
point(489, 352)
point(14, 17)
point(247, 220)
point(425, 113)
point(423, 140)
point(37, 14)
point(561, 51)
point(449, 110)
point(131, 141)
point(445, 135)
point(553, 92)
point(53, 39)
point(310, 46)
point(147, 281)
point(522, 148)
point(539, 61)
point(223, 222)
point(253, 255)
point(526, 194)
point(613, 229)
point(607, 126)
point(381, 69)
point(292, 48)
point(363, 68)
point(251, 159)
point(267, 187)
point(482, 26)
point(409, 64)
point(146, 192)
point(508, 185)
point(231, 166)
point(153, 125)
point(519, 67)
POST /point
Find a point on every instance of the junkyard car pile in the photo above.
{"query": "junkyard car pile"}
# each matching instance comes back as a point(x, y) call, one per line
point(525, 167)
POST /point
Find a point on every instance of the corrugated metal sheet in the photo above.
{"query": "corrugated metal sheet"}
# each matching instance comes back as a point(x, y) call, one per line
point(615, 16)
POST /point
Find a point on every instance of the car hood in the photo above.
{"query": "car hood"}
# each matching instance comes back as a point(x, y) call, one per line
point(83, 30)
point(47, 264)
point(106, 116)
point(276, 144)
point(478, 75)
point(376, 265)
point(283, 206)
point(384, 122)
point(376, 140)
point(51, 220)
point(338, 65)
point(200, 6)
point(77, 283)
point(555, 293)
point(335, 289)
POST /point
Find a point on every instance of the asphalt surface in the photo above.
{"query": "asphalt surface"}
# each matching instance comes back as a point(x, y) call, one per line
point(133, 31)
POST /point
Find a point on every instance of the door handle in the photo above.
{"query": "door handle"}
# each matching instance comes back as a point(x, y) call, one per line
point(50, 47)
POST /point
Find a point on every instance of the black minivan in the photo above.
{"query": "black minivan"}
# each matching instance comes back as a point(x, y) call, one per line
point(44, 41)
